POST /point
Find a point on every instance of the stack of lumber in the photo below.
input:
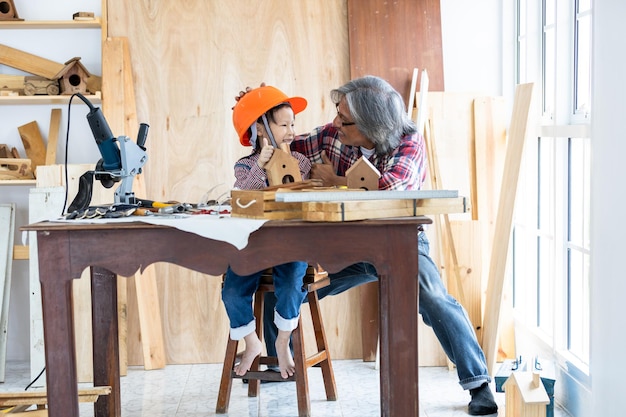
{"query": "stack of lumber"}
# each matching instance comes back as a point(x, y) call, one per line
point(338, 205)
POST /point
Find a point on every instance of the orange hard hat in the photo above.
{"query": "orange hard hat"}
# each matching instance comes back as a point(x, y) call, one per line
point(255, 104)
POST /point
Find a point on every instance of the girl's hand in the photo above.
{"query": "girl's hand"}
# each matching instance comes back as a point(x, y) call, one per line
point(243, 93)
point(266, 153)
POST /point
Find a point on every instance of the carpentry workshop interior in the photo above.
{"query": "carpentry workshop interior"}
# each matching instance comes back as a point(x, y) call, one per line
point(121, 113)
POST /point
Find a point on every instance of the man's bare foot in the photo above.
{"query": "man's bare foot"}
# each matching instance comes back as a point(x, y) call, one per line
point(286, 364)
point(253, 349)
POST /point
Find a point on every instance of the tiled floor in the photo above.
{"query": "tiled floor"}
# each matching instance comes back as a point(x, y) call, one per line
point(191, 391)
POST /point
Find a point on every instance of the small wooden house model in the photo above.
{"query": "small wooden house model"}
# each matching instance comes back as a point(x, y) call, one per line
point(282, 168)
point(73, 77)
point(525, 395)
point(363, 175)
point(8, 11)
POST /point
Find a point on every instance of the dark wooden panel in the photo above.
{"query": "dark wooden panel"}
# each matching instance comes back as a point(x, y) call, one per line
point(389, 39)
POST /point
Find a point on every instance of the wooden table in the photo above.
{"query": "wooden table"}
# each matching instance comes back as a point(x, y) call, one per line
point(65, 250)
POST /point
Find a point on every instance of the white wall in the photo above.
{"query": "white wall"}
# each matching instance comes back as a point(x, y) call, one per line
point(58, 45)
point(608, 198)
point(472, 46)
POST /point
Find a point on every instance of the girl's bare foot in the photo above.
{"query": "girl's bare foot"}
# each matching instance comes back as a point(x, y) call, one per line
point(285, 360)
point(253, 349)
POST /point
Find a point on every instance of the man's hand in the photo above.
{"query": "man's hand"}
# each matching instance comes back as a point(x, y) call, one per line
point(326, 173)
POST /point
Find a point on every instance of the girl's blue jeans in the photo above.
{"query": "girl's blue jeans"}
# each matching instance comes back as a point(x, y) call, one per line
point(238, 292)
point(440, 311)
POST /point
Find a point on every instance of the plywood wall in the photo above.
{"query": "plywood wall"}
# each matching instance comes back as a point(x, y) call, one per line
point(189, 60)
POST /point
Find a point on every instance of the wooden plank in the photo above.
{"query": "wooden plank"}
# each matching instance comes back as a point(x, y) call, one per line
point(467, 237)
point(411, 103)
point(489, 153)
point(499, 254)
point(352, 195)
point(113, 109)
point(378, 209)
point(121, 114)
point(7, 231)
point(28, 62)
point(444, 229)
point(149, 310)
point(39, 397)
point(394, 55)
point(33, 144)
point(53, 137)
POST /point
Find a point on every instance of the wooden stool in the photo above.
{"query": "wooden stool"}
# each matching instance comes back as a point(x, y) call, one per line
point(313, 280)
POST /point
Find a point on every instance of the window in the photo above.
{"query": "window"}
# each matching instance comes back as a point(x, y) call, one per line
point(550, 247)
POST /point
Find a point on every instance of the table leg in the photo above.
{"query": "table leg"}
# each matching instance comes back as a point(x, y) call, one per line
point(369, 320)
point(398, 333)
point(56, 304)
point(106, 360)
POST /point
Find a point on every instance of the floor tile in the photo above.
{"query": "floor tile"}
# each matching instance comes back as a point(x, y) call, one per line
point(191, 391)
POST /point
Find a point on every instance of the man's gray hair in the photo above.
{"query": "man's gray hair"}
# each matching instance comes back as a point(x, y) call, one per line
point(378, 111)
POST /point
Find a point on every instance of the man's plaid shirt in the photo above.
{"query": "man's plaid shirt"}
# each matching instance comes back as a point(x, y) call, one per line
point(403, 169)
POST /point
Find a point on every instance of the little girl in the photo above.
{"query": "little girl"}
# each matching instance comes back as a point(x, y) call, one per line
point(264, 118)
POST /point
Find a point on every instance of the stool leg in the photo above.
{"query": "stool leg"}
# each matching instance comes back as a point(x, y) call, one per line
point(254, 385)
point(302, 378)
point(320, 339)
point(226, 383)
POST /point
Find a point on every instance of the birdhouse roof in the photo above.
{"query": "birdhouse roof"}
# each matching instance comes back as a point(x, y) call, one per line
point(69, 65)
point(531, 392)
point(363, 164)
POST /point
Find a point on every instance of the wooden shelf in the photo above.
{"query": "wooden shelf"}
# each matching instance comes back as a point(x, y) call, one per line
point(50, 24)
point(61, 99)
point(25, 183)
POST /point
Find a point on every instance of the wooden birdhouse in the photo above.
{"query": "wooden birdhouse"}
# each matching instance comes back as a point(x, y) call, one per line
point(282, 168)
point(73, 77)
point(363, 175)
point(525, 395)
point(8, 10)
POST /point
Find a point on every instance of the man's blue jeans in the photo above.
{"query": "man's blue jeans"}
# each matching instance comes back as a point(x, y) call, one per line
point(237, 293)
point(439, 310)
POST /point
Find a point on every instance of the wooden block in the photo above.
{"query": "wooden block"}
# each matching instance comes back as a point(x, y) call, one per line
point(53, 136)
point(83, 16)
point(16, 168)
point(258, 204)
point(33, 144)
point(12, 82)
point(20, 252)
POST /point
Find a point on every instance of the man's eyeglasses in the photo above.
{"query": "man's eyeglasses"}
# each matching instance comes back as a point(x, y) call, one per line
point(343, 122)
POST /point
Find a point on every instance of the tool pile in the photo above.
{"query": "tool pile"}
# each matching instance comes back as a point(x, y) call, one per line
point(150, 208)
